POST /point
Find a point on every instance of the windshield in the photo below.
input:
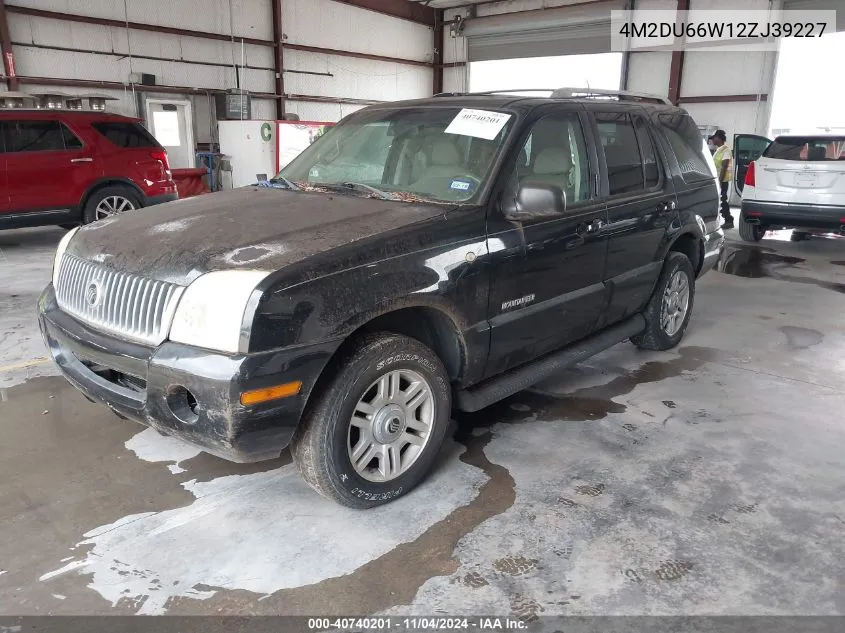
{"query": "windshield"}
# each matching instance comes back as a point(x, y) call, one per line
point(809, 148)
point(429, 153)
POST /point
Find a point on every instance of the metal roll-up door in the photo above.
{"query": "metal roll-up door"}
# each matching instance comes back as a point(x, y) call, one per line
point(819, 5)
point(570, 30)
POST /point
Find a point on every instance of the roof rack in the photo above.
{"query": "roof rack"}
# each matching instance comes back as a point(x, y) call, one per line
point(590, 93)
point(570, 93)
point(493, 92)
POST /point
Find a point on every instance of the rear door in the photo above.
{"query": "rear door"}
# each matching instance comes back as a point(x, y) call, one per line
point(747, 148)
point(48, 167)
point(802, 170)
point(640, 207)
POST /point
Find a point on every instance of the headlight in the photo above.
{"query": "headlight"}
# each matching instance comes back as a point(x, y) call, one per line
point(211, 311)
point(57, 262)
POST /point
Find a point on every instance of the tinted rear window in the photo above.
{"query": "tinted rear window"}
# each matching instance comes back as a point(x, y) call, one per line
point(811, 148)
point(688, 146)
point(126, 134)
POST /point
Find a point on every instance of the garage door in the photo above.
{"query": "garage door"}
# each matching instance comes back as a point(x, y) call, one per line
point(560, 31)
point(819, 5)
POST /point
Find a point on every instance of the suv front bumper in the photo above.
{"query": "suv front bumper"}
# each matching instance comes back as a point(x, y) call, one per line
point(150, 385)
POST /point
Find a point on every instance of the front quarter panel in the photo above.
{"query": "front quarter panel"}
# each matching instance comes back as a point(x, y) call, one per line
point(447, 272)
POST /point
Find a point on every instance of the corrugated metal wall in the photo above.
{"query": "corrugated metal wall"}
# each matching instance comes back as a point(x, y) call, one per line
point(59, 49)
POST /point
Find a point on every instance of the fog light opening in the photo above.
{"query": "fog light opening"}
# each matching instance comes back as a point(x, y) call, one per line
point(183, 404)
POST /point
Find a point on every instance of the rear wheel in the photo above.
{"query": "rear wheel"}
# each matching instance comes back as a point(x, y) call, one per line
point(670, 307)
point(799, 236)
point(750, 232)
point(375, 429)
point(109, 201)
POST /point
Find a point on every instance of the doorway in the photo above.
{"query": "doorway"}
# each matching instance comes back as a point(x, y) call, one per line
point(594, 70)
point(808, 90)
point(171, 121)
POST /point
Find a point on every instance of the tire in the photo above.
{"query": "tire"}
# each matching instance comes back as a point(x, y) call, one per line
point(326, 439)
point(122, 198)
point(657, 336)
point(750, 232)
point(799, 236)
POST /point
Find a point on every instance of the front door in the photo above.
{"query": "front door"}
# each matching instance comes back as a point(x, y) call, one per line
point(747, 148)
point(546, 275)
point(171, 122)
point(48, 168)
point(640, 207)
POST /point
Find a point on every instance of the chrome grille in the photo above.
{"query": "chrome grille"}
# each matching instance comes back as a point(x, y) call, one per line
point(129, 306)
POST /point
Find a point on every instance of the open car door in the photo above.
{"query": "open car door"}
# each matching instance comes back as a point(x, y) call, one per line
point(747, 148)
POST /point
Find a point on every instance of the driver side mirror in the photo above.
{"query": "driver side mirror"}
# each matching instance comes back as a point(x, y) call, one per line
point(534, 200)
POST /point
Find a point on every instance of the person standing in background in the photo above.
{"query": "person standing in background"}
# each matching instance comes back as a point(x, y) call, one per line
point(722, 157)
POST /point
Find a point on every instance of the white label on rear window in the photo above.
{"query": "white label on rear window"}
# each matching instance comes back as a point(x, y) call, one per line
point(478, 123)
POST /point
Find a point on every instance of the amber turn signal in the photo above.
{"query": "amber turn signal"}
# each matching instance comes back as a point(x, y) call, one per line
point(257, 396)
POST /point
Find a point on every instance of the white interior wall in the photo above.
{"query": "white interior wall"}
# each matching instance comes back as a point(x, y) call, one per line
point(320, 23)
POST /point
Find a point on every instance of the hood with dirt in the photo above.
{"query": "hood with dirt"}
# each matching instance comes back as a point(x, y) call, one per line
point(249, 228)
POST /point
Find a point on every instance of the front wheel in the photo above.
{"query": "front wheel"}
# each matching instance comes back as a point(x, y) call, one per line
point(670, 307)
point(375, 429)
point(750, 232)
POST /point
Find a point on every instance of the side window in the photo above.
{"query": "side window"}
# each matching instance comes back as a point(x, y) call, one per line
point(71, 140)
point(126, 134)
point(688, 147)
point(651, 168)
point(621, 152)
point(33, 136)
point(555, 153)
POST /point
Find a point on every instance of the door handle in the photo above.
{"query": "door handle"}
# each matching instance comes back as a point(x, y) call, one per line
point(666, 207)
point(593, 226)
point(82, 160)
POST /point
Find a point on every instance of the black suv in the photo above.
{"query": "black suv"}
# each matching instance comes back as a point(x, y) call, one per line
point(447, 250)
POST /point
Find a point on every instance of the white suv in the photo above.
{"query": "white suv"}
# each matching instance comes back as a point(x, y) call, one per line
point(792, 182)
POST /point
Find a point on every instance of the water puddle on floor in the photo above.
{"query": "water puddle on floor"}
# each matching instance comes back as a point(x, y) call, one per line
point(755, 262)
point(552, 399)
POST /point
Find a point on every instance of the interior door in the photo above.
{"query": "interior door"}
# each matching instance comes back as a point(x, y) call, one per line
point(47, 166)
point(747, 149)
point(171, 122)
point(546, 274)
point(641, 205)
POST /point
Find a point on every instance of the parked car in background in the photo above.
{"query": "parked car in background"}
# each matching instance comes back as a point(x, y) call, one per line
point(795, 182)
point(70, 167)
point(501, 239)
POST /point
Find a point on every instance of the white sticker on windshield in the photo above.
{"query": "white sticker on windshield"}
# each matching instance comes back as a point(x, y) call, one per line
point(478, 123)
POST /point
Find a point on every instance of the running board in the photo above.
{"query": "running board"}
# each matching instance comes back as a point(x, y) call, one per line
point(516, 380)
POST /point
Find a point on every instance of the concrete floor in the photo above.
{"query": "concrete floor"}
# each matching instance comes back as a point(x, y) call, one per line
point(706, 480)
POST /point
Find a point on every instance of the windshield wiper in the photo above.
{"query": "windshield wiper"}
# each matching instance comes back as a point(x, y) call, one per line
point(281, 180)
point(359, 186)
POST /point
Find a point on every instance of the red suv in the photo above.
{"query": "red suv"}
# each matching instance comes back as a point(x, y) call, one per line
point(67, 167)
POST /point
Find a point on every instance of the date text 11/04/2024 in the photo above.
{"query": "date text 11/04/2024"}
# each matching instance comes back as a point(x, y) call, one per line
point(364, 625)
point(720, 30)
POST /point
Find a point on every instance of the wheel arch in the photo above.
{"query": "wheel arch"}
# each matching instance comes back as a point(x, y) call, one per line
point(110, 182)
point(692, 246)
point(429, 325)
